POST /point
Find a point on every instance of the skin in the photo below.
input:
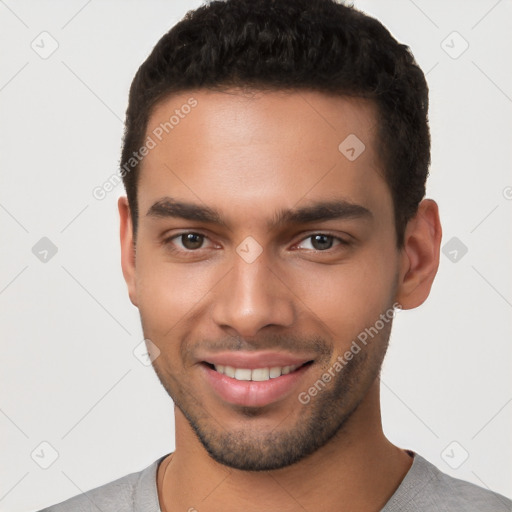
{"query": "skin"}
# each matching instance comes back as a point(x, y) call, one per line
point(249, 156)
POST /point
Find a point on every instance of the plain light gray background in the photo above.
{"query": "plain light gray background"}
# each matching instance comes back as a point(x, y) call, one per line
point(68, 373)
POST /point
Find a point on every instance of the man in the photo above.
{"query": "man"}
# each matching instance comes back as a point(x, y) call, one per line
point(274, 159)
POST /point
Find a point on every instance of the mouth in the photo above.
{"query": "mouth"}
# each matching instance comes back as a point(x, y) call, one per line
point(255, 374)
point(249, 382)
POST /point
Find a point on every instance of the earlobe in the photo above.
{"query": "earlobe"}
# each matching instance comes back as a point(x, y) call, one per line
point(420, 255)
point(127, 248)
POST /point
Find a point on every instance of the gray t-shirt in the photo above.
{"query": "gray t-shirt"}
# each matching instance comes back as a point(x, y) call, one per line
point(424, 489)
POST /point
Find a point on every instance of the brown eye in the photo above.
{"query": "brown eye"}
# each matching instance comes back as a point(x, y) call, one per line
point(192, 241)
point(318, 242)
point(189, 244)
point(322, 242)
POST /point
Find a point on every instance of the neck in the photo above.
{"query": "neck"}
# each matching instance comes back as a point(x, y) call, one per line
point(357, 470)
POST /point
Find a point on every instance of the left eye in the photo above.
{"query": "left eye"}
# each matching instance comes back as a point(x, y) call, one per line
point(320, 242)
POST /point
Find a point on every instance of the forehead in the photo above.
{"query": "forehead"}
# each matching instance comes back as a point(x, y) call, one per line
point(271, 147)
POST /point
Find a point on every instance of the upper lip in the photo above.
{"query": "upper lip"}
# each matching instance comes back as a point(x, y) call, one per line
point(252, 360)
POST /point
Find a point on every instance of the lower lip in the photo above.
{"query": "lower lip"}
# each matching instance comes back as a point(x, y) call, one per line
point(249, 393)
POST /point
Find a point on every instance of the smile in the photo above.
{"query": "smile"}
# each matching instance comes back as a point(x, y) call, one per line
point(257, 374)
point(254, 380)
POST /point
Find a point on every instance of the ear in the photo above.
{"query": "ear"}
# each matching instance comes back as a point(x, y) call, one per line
point(419, 255)
point(127, 247)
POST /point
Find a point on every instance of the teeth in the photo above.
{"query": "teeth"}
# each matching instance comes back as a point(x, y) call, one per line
point(275, 372)
point(258, 374)
point(261, 374)
point(228, 370)
point(242, 374)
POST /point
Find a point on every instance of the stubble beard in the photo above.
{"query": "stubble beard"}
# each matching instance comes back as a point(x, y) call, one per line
point(318, 421)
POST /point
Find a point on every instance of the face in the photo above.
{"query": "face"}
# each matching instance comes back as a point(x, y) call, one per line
point(264, 252)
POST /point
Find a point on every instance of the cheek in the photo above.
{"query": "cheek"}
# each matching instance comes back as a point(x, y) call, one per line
point(168, 293)
point(349, 297)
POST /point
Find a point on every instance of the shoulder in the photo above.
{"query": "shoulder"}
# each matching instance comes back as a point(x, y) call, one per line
point(133, 492)
point(425, 488)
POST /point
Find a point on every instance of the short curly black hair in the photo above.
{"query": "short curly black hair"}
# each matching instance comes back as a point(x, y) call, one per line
point(318, 45)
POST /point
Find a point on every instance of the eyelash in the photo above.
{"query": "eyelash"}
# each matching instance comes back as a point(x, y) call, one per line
point(168, 242)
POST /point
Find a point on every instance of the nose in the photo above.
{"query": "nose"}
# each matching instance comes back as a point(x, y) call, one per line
point(252, 297)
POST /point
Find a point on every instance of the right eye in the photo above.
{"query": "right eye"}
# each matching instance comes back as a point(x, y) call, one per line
point(188, 241)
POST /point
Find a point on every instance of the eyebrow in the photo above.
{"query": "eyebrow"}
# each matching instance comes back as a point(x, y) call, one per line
point(317, 212)
point(169, 207)
point(321, 211)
